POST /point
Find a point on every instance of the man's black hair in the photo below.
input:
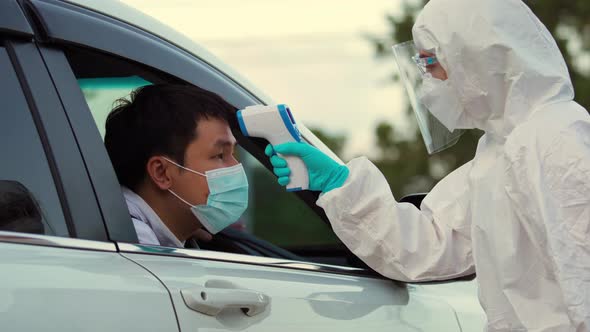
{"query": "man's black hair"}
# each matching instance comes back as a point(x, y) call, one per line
point(157, 120)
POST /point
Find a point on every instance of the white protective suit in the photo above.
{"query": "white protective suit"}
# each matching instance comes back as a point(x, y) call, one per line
point(518, 214)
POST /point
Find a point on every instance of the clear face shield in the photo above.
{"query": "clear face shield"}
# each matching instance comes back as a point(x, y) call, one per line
point(412, 69)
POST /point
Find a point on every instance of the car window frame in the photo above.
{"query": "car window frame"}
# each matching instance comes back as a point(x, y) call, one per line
point(113, 208)
point(284, 263)
point(129, 42)
point(13, 21)
point(78, 203)
point(124, 42)
point(109, 35)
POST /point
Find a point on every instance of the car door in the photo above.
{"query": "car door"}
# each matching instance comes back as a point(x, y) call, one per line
point(59, 270)
point(222, 291)
point(211, 290)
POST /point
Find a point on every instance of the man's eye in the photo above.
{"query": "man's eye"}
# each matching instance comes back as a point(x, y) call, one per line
point(219, 156)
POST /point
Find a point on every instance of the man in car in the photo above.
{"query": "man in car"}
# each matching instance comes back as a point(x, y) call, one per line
point(172, 149)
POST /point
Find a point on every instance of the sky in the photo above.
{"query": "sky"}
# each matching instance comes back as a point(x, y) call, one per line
point(310, 55)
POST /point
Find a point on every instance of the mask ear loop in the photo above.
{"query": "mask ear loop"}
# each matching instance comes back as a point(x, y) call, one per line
point(187, 169)
point(180, 198)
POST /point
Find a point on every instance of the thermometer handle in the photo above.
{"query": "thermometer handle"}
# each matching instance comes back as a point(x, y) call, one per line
point(299, 175)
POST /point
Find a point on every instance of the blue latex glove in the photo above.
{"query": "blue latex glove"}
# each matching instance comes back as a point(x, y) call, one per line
point(325, 174)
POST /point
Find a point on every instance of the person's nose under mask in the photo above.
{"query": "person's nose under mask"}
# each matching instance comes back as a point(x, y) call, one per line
point(228, 197)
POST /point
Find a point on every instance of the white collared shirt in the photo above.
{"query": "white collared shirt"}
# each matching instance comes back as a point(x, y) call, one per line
point(149, 227)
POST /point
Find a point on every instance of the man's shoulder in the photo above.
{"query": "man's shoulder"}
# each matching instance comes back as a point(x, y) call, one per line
point(145, 234)
point(136, 205)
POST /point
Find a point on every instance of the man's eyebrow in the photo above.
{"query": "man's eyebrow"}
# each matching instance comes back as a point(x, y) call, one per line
point(224, 142)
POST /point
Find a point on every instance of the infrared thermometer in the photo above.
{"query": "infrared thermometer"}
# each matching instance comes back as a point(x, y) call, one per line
point(277, 125)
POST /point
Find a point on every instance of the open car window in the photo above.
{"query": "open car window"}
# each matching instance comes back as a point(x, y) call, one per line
point(283, 223)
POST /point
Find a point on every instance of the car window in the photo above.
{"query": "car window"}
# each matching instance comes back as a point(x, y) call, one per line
point(279, 216)
point(273, 214)
point(101, 93)
point(29, 201)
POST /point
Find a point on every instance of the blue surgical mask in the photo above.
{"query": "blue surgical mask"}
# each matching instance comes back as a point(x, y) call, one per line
point(228, 197)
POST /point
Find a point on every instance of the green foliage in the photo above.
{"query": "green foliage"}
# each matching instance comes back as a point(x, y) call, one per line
point(282, 218)
point(336, 142)
point(568, 22)
point(386, 143)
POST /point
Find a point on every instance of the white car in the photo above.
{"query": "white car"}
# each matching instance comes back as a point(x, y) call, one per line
point(69, 257)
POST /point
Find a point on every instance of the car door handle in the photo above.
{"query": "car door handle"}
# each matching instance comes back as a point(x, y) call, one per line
point(212, 299)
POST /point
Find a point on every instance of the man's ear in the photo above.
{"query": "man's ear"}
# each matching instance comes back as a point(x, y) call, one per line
point(159, 172)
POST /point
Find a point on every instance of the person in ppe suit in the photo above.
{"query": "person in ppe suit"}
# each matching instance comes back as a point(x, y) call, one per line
point(518, 214)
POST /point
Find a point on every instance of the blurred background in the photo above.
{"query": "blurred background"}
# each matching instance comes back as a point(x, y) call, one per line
point(331, 62)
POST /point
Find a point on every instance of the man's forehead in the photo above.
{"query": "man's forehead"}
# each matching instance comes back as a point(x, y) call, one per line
point(226, 141)
point(214, 130)
point(212, 142)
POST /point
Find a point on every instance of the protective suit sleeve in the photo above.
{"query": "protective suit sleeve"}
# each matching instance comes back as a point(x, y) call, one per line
point(558, 203)
point(399, 240)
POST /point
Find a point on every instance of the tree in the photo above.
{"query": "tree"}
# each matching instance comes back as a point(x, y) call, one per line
point(405, 164)
point(335, 142)
point(386, 141)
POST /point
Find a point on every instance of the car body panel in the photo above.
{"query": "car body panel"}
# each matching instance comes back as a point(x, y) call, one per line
point(462, 296)
point(46, 288)
point(299, 300)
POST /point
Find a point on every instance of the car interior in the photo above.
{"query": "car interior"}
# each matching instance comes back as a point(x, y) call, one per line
point(19, 210)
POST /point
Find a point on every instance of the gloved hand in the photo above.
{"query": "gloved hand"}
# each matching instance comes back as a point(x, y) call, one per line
point(325, 174)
